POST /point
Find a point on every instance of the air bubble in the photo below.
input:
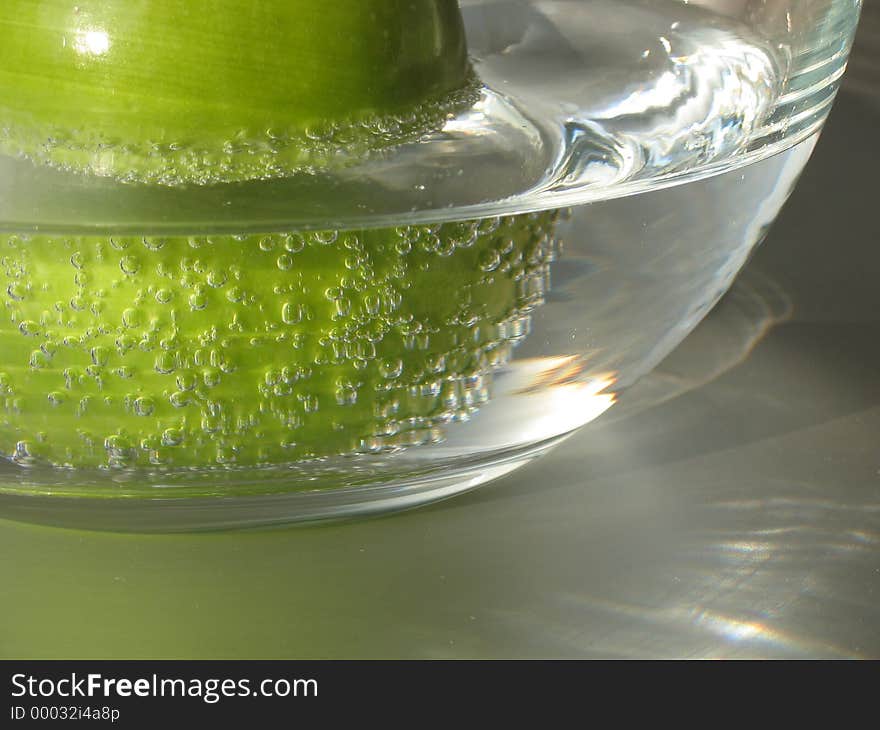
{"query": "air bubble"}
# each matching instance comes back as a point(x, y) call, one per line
point(129, 265)
point(131, 318)
point(165, 363)
point(154, 244)
point(490, 260)
point(22, 454)
point(346, 394)
point(391, 368)
point(186, 381)
point(144, 406)
point(100, 355)
point(211, 377)
point(172, 437)
point(198, 301)
point(291, 313)
point(120, 244)
point(180, 399)
point(236, 295)
point(29, 328)
point(310, 403)
point(216, 278)
point(294, 243)
point(326, 238)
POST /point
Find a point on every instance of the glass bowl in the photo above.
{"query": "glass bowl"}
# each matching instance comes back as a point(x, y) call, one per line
point(248, 285)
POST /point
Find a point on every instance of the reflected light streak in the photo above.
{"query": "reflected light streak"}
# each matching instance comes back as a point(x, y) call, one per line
point(559, 395)
point(94, 42)
point(733, 629)
point(688, 622)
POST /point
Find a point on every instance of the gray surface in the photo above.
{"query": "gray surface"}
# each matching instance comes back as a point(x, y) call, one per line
point(741, 519)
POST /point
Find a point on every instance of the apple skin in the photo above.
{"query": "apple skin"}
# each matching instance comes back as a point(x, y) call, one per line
point(218, 351)
point(208, 91)
point(211, 351)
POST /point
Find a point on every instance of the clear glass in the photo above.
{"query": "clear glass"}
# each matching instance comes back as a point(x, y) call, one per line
point(482, 291)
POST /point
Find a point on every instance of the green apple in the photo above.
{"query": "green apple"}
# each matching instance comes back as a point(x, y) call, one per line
point(200, 351)
point(209, 91)
point(257, 349)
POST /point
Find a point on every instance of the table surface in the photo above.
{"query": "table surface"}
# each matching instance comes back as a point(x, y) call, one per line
point(738, 519)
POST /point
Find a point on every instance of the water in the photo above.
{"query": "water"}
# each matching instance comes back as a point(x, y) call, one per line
point(581, 101)
point(425, 319)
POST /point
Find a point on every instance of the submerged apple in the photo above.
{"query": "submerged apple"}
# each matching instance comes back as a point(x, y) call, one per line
point(195, 351)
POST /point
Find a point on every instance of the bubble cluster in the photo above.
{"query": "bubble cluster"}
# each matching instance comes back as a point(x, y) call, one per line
point(193, 352)
point(244, 154)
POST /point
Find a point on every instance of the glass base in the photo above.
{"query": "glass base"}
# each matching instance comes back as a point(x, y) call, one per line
point(236, 512)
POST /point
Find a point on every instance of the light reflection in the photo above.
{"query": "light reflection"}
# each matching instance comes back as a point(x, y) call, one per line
point(733, 629)
point(533, 400)
point(734, 597)
point(663, 630)
point(93, 42)
point(751, 549)
point(558, 394)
